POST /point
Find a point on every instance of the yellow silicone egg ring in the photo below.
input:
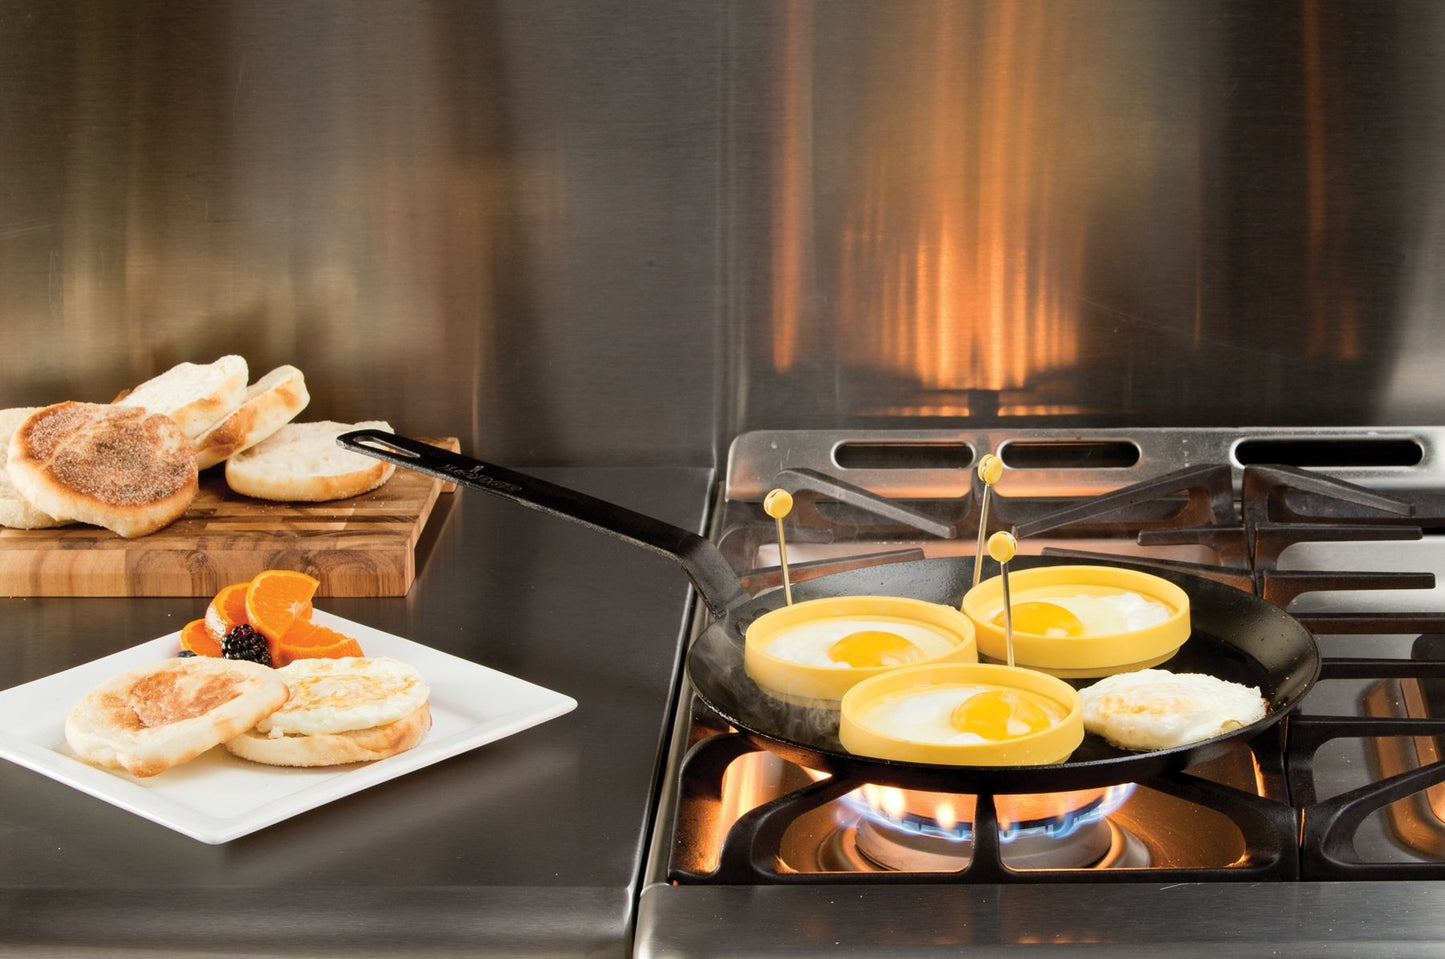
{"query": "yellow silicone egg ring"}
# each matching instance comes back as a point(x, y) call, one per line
point(824, 686)
point(1100, 654)
point(1046, 747)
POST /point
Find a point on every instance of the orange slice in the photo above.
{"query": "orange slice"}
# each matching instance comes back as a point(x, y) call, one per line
point(277, 598)
point(227, 610)
point(307, 640)
point(196, 636)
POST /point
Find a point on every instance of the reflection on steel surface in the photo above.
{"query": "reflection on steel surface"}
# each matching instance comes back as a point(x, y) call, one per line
point(634, 230)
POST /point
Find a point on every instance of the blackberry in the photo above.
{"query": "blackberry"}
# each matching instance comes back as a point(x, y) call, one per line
point(243, 642)
point(185, 654)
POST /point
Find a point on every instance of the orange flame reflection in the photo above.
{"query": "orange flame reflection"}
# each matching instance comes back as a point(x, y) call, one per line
point(960, 246)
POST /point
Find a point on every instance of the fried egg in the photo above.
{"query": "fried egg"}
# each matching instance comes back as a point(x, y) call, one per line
point(854, 642)
point(338, 695)
point(961, 713)
point(1157, 709)
point(1046, 613)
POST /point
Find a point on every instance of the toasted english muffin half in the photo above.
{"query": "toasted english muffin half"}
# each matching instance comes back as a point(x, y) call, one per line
point(270, 403)
point(119, 467)
point(195, 395)
point(302, 462)
point(16, 511)
point(153, 717)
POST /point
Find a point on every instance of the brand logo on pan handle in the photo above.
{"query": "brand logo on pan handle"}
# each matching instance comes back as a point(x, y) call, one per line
point(476, 475)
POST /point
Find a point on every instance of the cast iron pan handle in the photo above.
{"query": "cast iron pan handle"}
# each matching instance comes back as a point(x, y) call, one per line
point(715, 580)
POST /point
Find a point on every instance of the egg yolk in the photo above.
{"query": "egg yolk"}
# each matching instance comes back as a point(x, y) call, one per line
point(1043, 619)
point(874, 647)
point(996, 714)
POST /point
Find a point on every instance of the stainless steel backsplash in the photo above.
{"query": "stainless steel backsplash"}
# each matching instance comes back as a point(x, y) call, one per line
point(624, 231)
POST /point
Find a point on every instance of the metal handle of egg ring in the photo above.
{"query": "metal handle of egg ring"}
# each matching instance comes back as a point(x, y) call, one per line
point(719, 586)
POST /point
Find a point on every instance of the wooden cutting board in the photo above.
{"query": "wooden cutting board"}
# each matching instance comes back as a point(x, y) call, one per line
point(363, 546)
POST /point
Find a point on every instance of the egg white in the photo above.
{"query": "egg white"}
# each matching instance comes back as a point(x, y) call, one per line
point(345, 693)
point(807, 643)
point(1158, 709)
point(924, 714)
point(1104, 613)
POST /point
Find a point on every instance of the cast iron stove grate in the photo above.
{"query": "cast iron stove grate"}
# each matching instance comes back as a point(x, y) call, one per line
point(751, 851)
point(1289, 833)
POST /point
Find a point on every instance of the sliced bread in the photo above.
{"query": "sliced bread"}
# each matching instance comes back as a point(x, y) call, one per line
point(270, 403)
point(119, 467)
point(16, 511)
point(301, 461)
point(195, 395)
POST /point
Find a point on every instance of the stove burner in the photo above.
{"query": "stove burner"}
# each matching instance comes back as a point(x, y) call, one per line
point(916, 831)
point(1051, 815)
point(869, 847)
point(753, 817)
point(1414, 813)
point(910, 851)
point(1388, 826)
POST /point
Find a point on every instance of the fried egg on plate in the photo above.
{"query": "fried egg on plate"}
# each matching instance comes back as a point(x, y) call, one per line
point(960, 713)
point(346, 693)
point(1157, 709)
point(1048, 613)
point(846, 642)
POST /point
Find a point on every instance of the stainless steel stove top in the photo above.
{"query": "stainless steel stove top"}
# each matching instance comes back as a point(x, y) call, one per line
point(1368, 875)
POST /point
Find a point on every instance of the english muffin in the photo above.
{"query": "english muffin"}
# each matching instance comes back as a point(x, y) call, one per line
point(270, 403)
point(195, 395)
point(115, 466)
point(301, 462)
point(16, 511)
point(153, 717)
point(345, 710)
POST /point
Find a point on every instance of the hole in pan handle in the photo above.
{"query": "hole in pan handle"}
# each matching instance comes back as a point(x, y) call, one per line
point(719, 586)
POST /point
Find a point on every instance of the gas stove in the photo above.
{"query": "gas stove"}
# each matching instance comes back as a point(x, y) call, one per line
point(1338, 811)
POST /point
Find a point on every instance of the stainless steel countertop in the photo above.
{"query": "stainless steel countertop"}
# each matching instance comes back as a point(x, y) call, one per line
point(527, 846)
point(1296, 920)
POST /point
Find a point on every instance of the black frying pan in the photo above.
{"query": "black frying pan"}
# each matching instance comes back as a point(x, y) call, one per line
point(1235, 636)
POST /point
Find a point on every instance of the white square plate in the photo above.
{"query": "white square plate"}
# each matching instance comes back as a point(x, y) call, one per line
point(217, 797)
